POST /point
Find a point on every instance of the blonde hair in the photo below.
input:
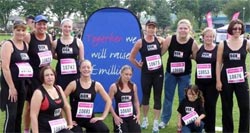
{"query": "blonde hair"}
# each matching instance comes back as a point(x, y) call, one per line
point(186, 21)
point(206, 30)
point(66, 20)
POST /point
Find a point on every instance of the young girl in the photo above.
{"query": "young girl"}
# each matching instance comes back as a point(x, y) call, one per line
point(191, 111)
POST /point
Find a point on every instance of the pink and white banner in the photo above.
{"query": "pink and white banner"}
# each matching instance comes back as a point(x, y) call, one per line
point(209, 20)
point(236, 15)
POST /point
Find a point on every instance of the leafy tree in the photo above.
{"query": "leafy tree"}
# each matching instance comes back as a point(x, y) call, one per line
point(34, 7)
point(138, 6)
point(237, 6)
point(162, 13)
point(5, 9)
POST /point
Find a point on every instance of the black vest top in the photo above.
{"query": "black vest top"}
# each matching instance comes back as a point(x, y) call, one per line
point(151, 56)
point(18, 56)
point(81, 95)
point(180, 53)
point(234, 58)
point(50, 109)
point(123, 97)
point(204, 56)
point(35, 47)
point(63, 51)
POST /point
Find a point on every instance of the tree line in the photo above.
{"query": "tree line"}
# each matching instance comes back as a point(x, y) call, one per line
point(194, 10)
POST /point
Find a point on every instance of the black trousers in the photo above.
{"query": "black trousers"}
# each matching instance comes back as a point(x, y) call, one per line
point(242, 95)
point(148, 81)
point(210, 96)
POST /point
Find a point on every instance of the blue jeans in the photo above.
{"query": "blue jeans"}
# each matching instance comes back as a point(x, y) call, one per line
point(170, 84)
point(192, 128)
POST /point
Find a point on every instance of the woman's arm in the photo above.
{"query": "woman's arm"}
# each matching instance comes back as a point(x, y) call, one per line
point(133, 53)
point(99, 88)
point(66, 109)
point(53, 48)
point(112, 92)
point(35, 105)
point(218, 66)
point(165, 45)
point(137, 104)
point(81, 50)
point(6, 52)
point(71, 87)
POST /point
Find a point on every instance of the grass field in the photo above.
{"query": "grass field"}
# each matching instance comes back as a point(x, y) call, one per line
point(171, 128)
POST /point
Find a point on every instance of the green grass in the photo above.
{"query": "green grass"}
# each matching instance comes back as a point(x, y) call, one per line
point(173, 122)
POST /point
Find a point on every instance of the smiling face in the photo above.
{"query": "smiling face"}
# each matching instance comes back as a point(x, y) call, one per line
point(86, 68)
point(41, 27)
point(19, 33)
point(191, 95)
point(237, 30)
point(208, 37)
point(183, 30)
point(151, 30)
point(66, 27)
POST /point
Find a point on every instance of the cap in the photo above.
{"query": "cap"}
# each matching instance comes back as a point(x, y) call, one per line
point(150, 22)
point(19, 23)
point(41, 18)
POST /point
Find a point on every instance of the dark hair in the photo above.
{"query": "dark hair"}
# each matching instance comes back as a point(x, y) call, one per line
point(43, 70)
point(119, 82)
point(30, 17)
point(231, 26)
point(195, 90)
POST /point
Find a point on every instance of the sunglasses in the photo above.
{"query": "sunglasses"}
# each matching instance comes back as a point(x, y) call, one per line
point(237, 28)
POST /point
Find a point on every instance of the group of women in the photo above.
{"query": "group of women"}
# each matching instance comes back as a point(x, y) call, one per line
point(219, 69)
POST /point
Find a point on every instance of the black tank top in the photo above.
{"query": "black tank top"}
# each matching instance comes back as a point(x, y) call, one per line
point(125, 100)
point(234, 58)
point(63, 51)
point(151, 56)
point(36, 47)
point(179, 57)
point(50, 109)
point(206, 61)
point(18, 56)
point(81, 95)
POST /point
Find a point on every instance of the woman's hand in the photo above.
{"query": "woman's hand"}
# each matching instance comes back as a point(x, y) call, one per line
point(118, 120)
point(12, 94)
point(247, 74)
point(137, 118)
point(219, 86)
point(95, 119)
point(197, 122)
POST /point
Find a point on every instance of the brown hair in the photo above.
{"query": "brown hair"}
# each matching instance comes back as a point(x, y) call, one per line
point(231, 26)
point(195, 90)
point(119, 82)
point(43, 70)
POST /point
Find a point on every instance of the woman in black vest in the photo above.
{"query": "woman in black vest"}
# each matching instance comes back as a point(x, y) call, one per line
point(15, 70)
point(126, 114)
point(82, 92)
point(231, 76)
point(205, 76)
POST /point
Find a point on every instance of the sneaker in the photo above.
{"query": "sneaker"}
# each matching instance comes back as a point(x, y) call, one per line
point(155, 127)
point(144, 124)
point(162, 125)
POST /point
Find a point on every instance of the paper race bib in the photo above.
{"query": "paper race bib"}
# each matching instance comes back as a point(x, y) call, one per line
point(235, 75)
point(204, 71)
point(57, 125)
point(84, 110)
point(68, 66)
point(189, 118)
point(153, 62)
point(177, 67)
point(24, 69)
point(125, 109)
point(45, 58)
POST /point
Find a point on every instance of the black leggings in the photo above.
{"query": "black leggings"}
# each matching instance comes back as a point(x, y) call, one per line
point(128, 126)
point(147, 81)
point(97, 127)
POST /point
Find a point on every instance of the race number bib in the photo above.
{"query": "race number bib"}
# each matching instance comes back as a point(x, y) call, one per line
point(204, 71)
point(45, 58)
point(68, 66)
point(189, 118)
point(84, 110)
point(153, 62)
point(235, 75)
point(177, 67)
point(57, 125)
point(25, 70)
point(125, 109)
